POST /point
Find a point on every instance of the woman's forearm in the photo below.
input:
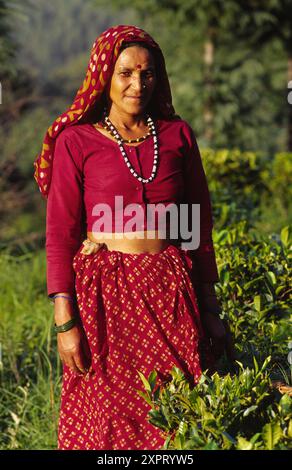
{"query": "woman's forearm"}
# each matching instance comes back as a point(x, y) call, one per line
point(63, 308)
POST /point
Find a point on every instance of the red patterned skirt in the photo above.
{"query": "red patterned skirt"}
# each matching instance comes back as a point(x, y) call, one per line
point(139, 313)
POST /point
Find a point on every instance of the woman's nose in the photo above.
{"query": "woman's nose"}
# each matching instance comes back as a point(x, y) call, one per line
point(137, 83)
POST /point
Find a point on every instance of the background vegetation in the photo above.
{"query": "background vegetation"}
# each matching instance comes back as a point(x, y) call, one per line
point(229, 65)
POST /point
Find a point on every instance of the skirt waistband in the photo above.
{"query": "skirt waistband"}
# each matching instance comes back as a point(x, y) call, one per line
point(91, 247)
point(98, 254)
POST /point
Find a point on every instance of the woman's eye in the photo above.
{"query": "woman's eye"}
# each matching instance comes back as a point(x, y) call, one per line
point(149, 74)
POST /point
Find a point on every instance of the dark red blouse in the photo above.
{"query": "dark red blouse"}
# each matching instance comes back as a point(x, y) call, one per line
point(89, 169)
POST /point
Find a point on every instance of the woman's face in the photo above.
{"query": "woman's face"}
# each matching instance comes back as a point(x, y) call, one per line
point(133, 81)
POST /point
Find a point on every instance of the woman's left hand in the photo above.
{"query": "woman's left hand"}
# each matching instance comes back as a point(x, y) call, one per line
point(217, 330)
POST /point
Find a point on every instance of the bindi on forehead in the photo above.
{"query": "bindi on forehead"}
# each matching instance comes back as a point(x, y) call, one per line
point(135, 63)
point(135, 67)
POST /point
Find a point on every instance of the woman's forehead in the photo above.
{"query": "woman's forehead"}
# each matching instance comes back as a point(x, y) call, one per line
point(135, 57)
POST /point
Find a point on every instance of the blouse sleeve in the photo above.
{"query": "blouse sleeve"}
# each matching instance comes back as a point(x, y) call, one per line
point(64, 216)
point(197, 192)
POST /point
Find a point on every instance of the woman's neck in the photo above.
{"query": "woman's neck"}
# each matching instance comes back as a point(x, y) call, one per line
point(127, 122)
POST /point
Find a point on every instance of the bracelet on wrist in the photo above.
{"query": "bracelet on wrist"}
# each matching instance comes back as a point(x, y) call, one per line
point(65, 326)
point(68, 297)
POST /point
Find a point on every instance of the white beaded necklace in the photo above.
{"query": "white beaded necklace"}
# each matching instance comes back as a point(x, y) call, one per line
point(128, 163)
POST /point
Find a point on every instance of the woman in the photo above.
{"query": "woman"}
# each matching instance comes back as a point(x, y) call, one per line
point(140, 298)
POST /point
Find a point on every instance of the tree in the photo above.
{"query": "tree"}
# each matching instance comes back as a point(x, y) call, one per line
point(6, 43)
point(226, 86)
point(269, 21)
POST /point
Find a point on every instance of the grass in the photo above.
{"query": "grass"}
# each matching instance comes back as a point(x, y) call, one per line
point(29, 368)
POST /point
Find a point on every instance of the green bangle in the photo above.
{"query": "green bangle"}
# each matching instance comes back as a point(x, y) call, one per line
point(66, 326)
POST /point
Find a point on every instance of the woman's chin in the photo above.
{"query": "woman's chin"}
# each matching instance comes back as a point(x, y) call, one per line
point(135, 108)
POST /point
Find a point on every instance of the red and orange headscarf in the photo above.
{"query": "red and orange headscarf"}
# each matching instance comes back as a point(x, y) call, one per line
point(104, 53)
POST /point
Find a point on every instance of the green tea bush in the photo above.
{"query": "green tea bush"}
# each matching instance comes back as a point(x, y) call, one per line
point(239, 412)
point(249, 186)
point(255, 290)
point(236, 184)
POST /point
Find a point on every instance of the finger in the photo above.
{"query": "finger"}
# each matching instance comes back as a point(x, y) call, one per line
point(80, 363)
point(69, 361)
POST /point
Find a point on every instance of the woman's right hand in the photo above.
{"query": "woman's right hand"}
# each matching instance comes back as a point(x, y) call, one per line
point(72, 344)
point(73, 350)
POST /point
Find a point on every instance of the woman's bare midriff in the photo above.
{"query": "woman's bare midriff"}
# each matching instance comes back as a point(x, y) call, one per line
point(132, 242)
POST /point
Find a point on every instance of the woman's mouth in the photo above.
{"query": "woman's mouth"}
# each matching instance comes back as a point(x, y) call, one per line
point(136, 98)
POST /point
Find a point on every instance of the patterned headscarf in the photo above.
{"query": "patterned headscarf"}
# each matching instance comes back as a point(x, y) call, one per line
point(104, 53)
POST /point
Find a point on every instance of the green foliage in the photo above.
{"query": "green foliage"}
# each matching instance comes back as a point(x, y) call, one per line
point(278, 177)
point(29, 412)
point(221, 413)
point(248, 186)
point(29, 367)
point(51, 36)
point(7, 65)
point(236, 184)
point(255, 288)
point(21, 142)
